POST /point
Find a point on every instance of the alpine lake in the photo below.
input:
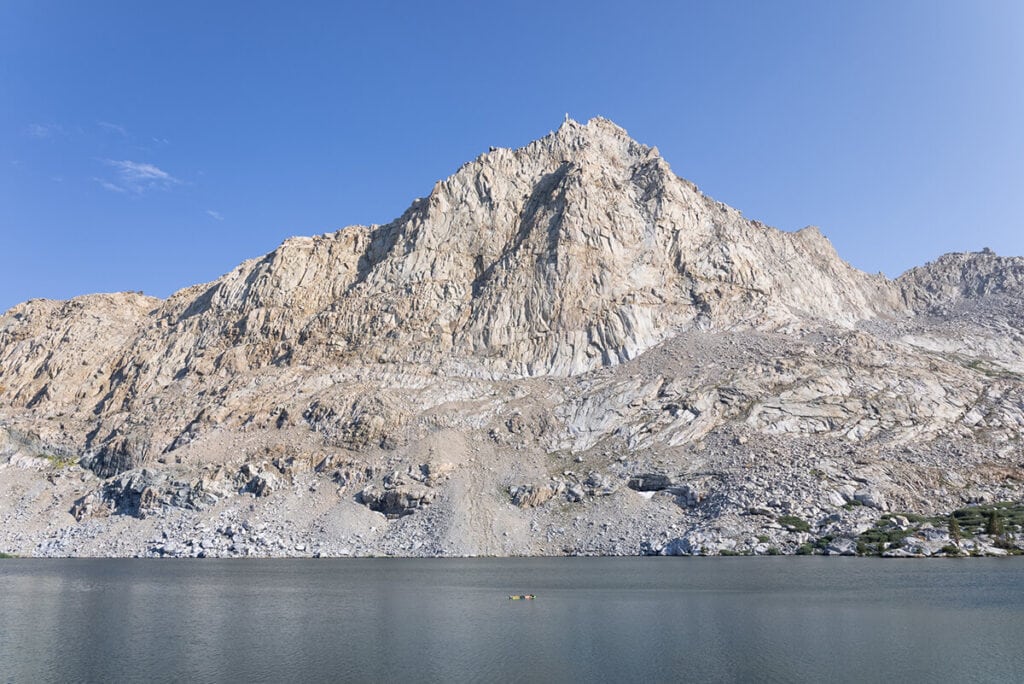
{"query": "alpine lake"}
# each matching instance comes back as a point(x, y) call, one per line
point(765, 619)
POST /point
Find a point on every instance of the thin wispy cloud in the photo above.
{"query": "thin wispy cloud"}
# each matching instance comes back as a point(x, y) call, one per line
point(42, 131)
point(215, 214)
point(109, 186)
point(113, 128)
point(138, 177)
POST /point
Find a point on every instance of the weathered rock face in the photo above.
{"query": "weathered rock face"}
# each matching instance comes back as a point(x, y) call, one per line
point(953, 278)
point(578, 251)
point(968, 305)
point(62, 353)
point(572, 298)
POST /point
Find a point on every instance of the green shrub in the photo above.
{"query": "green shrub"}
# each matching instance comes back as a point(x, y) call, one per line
point(763, 539)
point(823, 542)
point(882, 534)
point(60, 461)
point(794, 522)
point(915, 518)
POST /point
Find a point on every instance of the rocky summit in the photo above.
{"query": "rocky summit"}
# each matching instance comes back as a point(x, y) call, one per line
point(563, 349)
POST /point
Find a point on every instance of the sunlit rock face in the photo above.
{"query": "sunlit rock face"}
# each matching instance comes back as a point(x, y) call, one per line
point(571, 298)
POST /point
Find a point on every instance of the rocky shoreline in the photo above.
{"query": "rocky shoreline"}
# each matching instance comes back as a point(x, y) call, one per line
point(290, 508)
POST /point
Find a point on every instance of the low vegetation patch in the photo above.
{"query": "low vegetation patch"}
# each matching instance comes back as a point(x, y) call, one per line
point(997, 518)
point(794, 522)
point(881, 536)
point(61, 461)
point(914, 517)
point(1000, 521)
point(989, 369)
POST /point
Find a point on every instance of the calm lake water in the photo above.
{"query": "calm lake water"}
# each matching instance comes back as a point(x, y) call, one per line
point(619, 620)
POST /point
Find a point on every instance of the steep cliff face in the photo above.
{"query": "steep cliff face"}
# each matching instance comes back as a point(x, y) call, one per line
point(570, 296)
point(577, 251)
point(60, 359)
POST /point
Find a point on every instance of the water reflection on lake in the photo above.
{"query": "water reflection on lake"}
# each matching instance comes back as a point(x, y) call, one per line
point(611, 619)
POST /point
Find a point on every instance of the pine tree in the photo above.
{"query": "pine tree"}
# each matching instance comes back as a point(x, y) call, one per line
point(995, 524)
point(954, 530)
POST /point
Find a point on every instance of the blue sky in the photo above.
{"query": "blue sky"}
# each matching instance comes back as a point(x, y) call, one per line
point(150, 146)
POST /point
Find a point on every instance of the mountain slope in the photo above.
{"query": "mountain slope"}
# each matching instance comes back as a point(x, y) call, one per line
point(569, 299)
